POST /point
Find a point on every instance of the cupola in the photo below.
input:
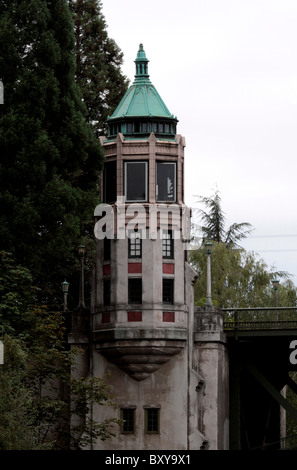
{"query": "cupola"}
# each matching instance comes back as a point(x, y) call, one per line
point(142, 110)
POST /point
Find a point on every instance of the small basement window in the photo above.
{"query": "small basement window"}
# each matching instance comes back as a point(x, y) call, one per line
point(128, 418)
point(152, 420)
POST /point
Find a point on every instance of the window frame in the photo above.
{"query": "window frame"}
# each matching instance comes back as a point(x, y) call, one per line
point(130, 299)
point(147, 419)
point(173, 200)
point(137, 162)
point(133, 245)
point(122, 413)
point(106, 292)
point(110, 182)
point(167, 245)
point(171, 300)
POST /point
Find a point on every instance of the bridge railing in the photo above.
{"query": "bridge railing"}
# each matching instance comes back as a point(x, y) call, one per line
point(260, 318)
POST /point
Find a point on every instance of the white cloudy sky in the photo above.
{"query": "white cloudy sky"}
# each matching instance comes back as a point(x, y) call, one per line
point(228, 70)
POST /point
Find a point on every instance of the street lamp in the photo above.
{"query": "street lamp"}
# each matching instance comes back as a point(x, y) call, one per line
point(65, 287)
point(81, 253)
point(275, 284)
point(208, 303)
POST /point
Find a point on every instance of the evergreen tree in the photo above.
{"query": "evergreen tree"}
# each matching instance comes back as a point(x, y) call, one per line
point(50, 158)
point(214, 221)
point(98, 61)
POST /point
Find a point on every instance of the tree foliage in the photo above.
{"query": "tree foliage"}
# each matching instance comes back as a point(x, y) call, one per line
point(98, 62)
point(36, 378)
point(50, 157)
point(214, 223)
point(239, 279)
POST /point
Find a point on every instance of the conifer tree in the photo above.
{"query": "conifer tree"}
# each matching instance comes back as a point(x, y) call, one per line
point(98, 62)
point(49, 156)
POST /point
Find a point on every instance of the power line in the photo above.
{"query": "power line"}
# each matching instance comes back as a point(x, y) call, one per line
point(290, 235)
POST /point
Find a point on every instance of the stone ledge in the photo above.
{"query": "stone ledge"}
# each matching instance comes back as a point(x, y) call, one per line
point(140, 334)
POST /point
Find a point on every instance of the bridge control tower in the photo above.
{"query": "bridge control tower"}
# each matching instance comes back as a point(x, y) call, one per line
point(169, 375)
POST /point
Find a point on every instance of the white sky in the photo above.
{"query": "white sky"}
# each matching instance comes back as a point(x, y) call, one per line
point(228, 70)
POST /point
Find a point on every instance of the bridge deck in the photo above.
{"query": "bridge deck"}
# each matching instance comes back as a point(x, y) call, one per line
point(274, 321)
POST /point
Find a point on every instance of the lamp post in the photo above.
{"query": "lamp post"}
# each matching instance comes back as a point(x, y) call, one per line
point(81, 253)
point(65, 287)
point(275, 284)
point(208, 303)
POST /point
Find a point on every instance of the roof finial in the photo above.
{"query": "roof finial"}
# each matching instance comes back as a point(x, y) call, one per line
point(141, 63)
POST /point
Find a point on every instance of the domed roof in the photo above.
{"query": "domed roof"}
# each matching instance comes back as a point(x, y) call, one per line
point(142, 98)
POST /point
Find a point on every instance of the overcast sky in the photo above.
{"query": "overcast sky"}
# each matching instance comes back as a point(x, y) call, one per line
point(228, 70)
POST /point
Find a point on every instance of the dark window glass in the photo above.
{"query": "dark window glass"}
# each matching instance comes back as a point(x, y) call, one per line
point(167, 245)
point(134, 245)
point(155, 127)
point(110, 182)
point(106, 249)
point(136, 181)
point(128, 417)
point(152, 420)
point(106, 292)
point(166, 181)
point(135, 291)
point(168, 290)
point(129, 128)
point(161, 127)
point(167, 128)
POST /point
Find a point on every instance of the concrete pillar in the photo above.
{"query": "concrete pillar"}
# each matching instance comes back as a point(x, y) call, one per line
point(210, 346)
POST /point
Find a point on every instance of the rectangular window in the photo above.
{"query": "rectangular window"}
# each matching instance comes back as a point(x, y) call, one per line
point(128, 418)
point(106, 292)
point(110, 182)
point(152, 420)
point(134, 244)
point(135, 291)
point(166, 182)
point(106, 249)
point(168, 291)
point(136, 181)
point(167, 245)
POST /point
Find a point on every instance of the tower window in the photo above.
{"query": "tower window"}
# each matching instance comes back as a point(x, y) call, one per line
point(136, 181)
point(106, 292)
point(152, 420)
point(128, 418)
point(168, 291)
point(135, 291)
point(134, 245)
point(166, 181)
point(106, 249)
point(167, 245)
point(110, 182)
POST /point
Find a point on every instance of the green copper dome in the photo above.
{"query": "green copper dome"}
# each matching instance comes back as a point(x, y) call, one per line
point(142, 110)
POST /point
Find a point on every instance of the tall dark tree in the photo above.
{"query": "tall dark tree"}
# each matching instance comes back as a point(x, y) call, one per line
point(98, 62)
point(49, 156)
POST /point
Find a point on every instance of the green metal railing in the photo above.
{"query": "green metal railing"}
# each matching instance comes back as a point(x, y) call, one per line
point(260, 318)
